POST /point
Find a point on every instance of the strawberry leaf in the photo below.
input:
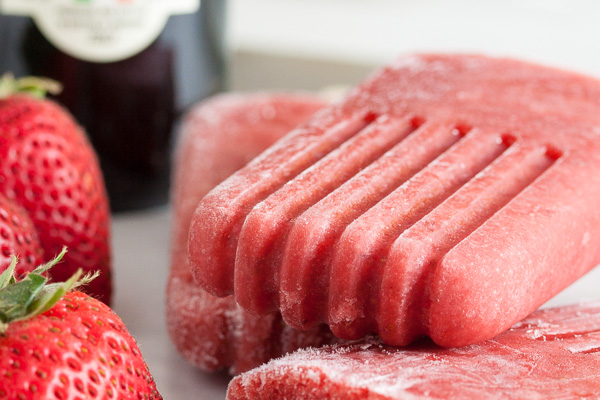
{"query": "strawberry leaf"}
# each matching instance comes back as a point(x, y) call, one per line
point(16, 298)
point(33, 295)
point(32, 85)
point(41, 269)
point(52, 293)
point(7, 277)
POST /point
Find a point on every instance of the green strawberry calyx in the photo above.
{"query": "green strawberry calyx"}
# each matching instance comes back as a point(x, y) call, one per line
point(25, 298)
point(32, 85)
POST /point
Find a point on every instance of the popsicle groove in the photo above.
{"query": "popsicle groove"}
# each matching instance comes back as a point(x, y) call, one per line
point(265, 229)
point(360, 257)
point(312, 238)
point(217, 222)
point(533, 164)
point(486, 255)
point(415, 254)
point(534, 167)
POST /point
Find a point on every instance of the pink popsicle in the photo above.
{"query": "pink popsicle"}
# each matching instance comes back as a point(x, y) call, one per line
point(448, 196)
point(553, 354)
point(217, 138)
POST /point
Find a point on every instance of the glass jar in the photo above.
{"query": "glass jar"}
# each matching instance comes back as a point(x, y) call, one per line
point(129, 69)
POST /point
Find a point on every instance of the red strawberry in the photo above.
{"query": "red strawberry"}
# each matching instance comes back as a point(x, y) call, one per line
point(48, 167)
point(18, 236)
point(72, 348)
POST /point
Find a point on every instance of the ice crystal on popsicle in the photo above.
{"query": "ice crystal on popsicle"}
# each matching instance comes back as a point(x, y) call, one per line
point(553, 354)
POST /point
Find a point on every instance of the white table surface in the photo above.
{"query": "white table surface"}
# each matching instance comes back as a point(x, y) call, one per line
point(140, 265)
point(141, 260)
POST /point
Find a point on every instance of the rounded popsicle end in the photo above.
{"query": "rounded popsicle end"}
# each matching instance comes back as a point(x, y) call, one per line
point(207, 250)
point(466, 306)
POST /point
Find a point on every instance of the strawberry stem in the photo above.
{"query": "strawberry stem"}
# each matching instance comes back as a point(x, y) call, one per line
point(8, 276)
point(33, 295)
point(32, 85)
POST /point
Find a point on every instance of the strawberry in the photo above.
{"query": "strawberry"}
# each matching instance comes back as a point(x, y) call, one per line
point(48, 167)
point(72, 347)
point(18, 236)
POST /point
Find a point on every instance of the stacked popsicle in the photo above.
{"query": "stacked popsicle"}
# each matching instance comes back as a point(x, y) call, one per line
point(217, 138)
point(553, 354)
point(447, 196)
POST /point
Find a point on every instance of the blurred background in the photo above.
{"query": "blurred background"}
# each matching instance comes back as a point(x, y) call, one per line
point(129, 78)
point(310, 45)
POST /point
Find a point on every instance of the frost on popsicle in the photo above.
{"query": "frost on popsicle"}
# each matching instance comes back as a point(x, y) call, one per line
point(214, 333)
point(553, 354)
point(447, 196)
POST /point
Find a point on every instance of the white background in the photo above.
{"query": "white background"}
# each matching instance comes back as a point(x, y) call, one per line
point(307, 44)
point(372, 32)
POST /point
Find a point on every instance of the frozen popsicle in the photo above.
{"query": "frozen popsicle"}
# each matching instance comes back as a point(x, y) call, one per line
point(217, 138)
point(448, 196)
point(553, 354)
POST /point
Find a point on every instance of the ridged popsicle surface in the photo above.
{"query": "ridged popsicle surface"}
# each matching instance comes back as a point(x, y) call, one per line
point(214, 333)
point(448, 195)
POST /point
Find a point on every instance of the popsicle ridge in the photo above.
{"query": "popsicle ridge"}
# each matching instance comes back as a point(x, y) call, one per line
point(361, 255)
point(217, 221)
point(309, 248)
point(264, 232)
point(214, 333)
point(319, 236)
point(474, 287)
point(417, 251)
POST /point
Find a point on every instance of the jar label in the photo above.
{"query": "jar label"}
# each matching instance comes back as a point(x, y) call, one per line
point(100, 30)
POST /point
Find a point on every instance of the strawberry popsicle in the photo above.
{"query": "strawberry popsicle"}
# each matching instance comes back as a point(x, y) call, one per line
point(448, 196)
point(218, 137)
point(553, 354)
